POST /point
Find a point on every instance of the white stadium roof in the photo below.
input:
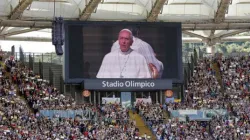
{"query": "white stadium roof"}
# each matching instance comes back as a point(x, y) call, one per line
point(207, 21)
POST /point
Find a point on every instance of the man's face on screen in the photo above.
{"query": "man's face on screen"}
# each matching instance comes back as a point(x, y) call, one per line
point(125, 40)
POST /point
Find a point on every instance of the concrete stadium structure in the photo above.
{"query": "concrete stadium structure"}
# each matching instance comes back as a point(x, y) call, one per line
point(208, 21)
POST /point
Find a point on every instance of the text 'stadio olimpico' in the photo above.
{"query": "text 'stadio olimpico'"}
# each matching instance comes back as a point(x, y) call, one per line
point(128, 83)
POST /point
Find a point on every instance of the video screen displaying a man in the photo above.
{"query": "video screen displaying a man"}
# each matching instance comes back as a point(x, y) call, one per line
point(92, 51)
point(124, 62)
point(143, 48)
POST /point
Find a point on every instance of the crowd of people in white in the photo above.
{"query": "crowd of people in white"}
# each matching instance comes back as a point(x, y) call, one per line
point(23, 94)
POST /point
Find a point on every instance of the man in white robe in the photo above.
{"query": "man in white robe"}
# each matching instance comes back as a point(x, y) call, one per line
point(161, 69)
point(146, 50)
point(124, 62)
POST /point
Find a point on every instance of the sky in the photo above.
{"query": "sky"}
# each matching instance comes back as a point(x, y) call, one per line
point(28, 46)
point(33, 47)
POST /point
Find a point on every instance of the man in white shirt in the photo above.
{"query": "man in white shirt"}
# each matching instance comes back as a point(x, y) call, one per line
point(124, 62)
point(146, 50)
point(160, 72)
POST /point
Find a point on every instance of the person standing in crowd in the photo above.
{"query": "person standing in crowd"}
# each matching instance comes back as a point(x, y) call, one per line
point(10, 63)
point(124, 62)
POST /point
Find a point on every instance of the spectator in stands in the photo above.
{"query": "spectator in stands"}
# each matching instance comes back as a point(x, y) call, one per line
point(10, 63)
point(17, 121)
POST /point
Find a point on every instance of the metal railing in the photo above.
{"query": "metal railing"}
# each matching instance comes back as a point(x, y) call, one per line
point(39, 57)
point(29, 59)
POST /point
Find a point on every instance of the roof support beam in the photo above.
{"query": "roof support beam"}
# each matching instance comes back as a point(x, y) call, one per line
point(184, 40)
point(156, 9)
point(214, 26)
point(21, 23)
point(212, 34)
point(31, 39)
point(220, 14)
point(227, 39)
point(212, 41)
point(193, 34)
point(222, 10)
point(185, 26)
point(19, 32)
point(88, 10)
point(17, 12)
point(236, 39)
point(13, 29)
point(234, 33)
point(2, 29)
point(191, 40)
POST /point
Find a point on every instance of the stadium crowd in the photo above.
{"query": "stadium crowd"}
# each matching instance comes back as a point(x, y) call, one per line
point(23, 94)
point(235, 77)
point(205, 92)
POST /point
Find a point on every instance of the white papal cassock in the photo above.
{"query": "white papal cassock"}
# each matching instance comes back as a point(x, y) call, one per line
point(119, 64)
point(161, 69)
point(144, 49)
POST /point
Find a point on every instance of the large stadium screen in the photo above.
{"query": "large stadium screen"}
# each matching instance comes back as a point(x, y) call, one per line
point(122, 50)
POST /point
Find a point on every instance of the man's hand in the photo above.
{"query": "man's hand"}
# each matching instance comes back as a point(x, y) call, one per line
point(153, 70)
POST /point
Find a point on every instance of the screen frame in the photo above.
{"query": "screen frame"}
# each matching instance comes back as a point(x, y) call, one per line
point(68, 23)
